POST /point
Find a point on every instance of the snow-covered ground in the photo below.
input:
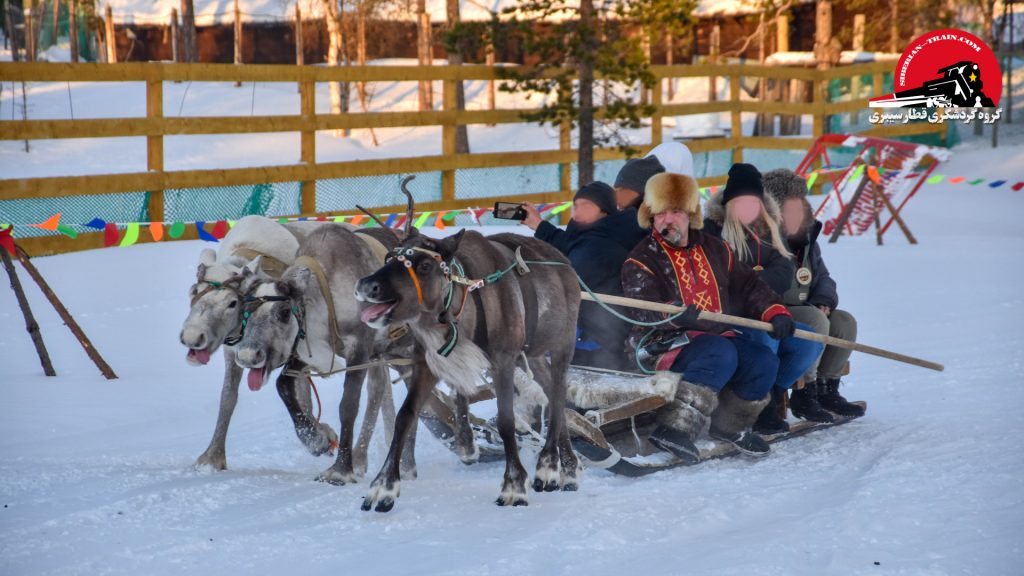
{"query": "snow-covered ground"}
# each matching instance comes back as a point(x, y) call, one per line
point(96, 477)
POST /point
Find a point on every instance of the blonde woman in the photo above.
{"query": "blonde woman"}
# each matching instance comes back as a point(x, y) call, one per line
point(748, 222)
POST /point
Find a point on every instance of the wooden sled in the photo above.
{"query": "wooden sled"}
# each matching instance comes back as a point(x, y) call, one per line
point(612, 437)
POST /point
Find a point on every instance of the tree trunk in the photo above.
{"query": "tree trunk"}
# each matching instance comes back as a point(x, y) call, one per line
point(586, 91)
point(334, 48)
point(424, 54)
point(188, 31)
point(455, 59)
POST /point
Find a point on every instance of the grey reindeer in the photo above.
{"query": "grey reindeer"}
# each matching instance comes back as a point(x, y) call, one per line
point(254, 244)
point(306, 320)
point(465, 328)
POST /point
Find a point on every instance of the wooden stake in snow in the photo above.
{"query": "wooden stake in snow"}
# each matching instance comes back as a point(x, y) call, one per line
point(30, 320)
point(66, 316)
point(748, 323)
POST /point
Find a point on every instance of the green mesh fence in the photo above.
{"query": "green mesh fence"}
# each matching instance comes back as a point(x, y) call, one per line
point(74, 210)
point(53, 31)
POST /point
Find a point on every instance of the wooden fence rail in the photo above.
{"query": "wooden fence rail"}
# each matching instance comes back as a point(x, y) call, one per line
point(155, 126)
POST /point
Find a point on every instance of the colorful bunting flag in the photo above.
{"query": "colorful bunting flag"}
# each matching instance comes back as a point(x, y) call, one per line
point(110, 234)
point(7, 240)
point(51, 223)
point(177, 229)
point(131, 234)
point(156, 230)
point(220, 229)
point(203, 234)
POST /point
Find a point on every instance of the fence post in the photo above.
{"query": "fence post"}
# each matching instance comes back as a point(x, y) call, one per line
point(307, 98)
point(155, 146)
point(111, 40)
point(238, 38)
point(736, 117)
point(300, 56)
point(656, 124)
point(448, 136)
point(72, 27)
point(174, 34)
point(30, 35)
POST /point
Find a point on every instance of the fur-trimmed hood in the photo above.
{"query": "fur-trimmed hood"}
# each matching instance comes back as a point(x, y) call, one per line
point(714, 211)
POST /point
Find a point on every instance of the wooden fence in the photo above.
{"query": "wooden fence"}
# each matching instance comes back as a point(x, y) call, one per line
point(155, 126)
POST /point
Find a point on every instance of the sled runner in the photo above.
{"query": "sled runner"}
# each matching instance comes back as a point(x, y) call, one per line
point(612, 435)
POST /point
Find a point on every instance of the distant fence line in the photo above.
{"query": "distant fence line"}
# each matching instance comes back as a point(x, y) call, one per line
point(317, 184)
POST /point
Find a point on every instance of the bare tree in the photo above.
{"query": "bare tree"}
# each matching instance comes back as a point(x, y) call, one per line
point(188, 31)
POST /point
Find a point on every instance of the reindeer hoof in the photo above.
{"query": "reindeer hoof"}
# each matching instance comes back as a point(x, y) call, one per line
point(336, 478)
point(544, 485)
point(571, 486)
point(208, 462)
point(511, 501)
point(546, 479)
point(380, 498)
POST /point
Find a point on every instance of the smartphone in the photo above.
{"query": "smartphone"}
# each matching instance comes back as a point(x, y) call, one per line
point(509, 211)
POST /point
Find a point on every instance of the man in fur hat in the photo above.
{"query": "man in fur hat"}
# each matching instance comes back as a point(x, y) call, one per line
point(724, 381)
point(812, 297)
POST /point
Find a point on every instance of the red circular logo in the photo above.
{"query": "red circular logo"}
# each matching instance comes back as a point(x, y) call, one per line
point(949, 68)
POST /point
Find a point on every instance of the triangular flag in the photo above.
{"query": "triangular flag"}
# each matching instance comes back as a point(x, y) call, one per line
point(1016, 187)
point(561, 208)
point(996, 184)
point(96, 223)
point(220, 229)
point(370, 223)
point(156, 230)
point(67, 231)
point(976, 182)
point(873, 175)
point(231, 223)
point(439, 223)
point(956, 180)
point(51, 223)
point(935, 179)
point(7, 240)
point(131, 234)
point(401, 221)
point(282, 220)
point(358, 219)
point(857, 172)
point(203, 234)
point(811, 180)
point(450, 215)
point(423, 218)
point(177, 229)
point(110, 235)
point(339, 219)
point(391, 220)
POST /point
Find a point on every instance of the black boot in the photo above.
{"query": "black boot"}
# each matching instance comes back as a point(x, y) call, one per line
point(675, 442)
point(804, 404)
point(830, 399)
point(769, 422)
point(747, 442)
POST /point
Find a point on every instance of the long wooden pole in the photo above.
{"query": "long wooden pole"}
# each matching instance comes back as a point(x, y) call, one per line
point(31, 326)
point(66, 316)
point(748, 323)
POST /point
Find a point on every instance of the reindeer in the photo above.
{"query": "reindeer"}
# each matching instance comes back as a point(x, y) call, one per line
point(464, 328)
point(306, 319)
point(255, 244)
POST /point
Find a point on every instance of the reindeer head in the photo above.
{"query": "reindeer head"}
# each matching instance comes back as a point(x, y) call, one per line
point(215, 314)
point(273, 322)
point(414, 280)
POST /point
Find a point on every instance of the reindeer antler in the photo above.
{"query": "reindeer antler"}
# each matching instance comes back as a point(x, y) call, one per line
point(378, 221)
point(410, 212)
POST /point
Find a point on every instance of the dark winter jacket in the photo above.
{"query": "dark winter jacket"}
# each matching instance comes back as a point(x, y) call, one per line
point(621, 227)
point(596, 252)
point(776, 270)
point(821, 291)
point(704, 273)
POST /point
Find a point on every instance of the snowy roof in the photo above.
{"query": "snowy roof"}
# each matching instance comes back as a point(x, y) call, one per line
point(222, 11)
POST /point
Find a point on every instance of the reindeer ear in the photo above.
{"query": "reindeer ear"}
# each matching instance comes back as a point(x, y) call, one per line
point(207, 257)
point(253, 267)
point(448, 246)
point(298, 280)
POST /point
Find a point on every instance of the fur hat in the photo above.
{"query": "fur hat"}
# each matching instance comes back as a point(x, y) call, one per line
point(668, 191)
point(744, 180)
point(783, 184)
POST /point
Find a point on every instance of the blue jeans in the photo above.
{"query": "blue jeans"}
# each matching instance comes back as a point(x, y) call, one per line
point(795, 355)
point(715, 361)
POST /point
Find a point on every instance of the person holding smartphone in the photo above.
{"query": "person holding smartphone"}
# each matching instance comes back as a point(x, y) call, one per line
point(592, 244)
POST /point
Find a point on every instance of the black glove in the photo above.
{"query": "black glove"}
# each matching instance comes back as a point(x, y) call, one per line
point(782, 326)
point(688, 319)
